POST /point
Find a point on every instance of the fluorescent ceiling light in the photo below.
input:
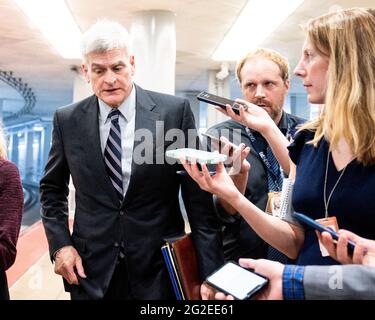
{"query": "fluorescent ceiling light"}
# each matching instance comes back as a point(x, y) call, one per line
point(258, 19)
point(57, 24)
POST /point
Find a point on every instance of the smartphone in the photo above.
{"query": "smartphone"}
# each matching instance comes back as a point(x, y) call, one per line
point(217, 145)
point(213, 138)
point(213, 142)
point(312, 223)
point(219, 101)
point(239, 282)
point(199, 156)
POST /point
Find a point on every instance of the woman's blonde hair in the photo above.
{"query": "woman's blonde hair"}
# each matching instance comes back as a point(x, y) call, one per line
point(347, 37)
point(3, 149)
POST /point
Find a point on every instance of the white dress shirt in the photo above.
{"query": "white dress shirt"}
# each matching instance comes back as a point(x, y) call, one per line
point(127, 127)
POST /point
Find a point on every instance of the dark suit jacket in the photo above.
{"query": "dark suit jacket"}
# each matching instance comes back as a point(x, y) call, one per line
point(150, 211)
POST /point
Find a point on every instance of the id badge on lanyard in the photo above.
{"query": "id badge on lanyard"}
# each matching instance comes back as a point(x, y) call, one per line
point(329, 222)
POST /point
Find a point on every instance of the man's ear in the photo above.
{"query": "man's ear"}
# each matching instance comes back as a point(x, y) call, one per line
point(287, 84)
point(86, 72)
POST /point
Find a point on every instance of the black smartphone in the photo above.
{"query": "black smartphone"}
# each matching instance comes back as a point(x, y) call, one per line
point(239, 282)
point(312, 223)
point(216, 144)
point(213, 142)
point(210, 136)
point(219, 101)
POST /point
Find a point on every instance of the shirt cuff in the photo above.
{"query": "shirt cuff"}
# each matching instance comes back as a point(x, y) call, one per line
point(293, 282)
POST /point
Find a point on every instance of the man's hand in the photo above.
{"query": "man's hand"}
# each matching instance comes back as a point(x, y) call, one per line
point(271, 270)
point(67, 262)
point(223, 296)
point(364, 252)
point(207, 292)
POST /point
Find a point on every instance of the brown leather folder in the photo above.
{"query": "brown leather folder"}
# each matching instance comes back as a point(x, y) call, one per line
point(186, 263)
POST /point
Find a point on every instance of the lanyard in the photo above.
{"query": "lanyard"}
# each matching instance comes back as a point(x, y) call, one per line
point(326, 202)
point(256, 145)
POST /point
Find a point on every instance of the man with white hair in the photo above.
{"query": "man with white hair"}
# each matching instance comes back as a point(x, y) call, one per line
point(125, 208)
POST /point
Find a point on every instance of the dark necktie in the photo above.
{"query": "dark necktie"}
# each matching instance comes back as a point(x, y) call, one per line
point(275, 182)
point(112, 154)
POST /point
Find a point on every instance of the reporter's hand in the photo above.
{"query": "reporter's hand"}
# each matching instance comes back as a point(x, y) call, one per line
point(220, 184)
point(207, 292)
point(223, 296)
point(364, 252)
point(254, 117)
point(273, 271)
point(267, 268)
point(236, 157)
point(67, 261)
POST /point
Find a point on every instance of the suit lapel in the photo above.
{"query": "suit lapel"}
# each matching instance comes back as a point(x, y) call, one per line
point(145, 118)
point(88, 125)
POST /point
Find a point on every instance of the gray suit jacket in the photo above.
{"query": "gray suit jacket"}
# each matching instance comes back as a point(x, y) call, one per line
point(339, 282)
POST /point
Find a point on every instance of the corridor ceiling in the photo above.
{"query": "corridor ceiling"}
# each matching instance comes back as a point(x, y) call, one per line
point(200, 27)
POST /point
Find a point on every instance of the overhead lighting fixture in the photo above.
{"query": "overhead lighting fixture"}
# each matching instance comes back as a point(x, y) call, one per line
point(56, 22)
point(257, 20)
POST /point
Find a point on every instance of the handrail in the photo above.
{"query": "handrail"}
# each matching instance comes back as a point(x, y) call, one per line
point(25, 91)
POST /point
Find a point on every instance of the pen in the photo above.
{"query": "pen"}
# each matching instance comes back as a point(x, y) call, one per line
point(184, 173)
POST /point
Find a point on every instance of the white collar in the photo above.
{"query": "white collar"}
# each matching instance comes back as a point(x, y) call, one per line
point(127, 107)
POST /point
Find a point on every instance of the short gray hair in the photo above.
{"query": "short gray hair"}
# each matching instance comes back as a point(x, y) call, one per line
point(103, 36)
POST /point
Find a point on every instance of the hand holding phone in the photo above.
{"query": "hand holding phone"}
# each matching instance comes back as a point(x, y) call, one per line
point(239, 282)
point(219, 101)
point(317, 226)
point(236, 154)
point(211, 137)
point(216, 144)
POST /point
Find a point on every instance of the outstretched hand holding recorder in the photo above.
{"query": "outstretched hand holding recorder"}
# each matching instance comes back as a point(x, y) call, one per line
point(219, 101)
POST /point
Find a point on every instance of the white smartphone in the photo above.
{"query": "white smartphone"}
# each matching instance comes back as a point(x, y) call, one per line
point(239, 282)
point(199, 156)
